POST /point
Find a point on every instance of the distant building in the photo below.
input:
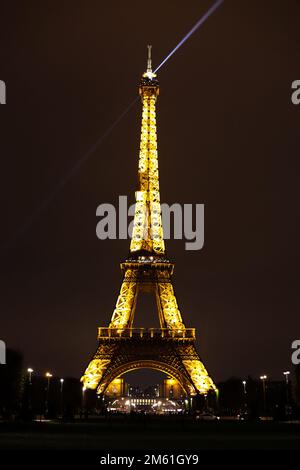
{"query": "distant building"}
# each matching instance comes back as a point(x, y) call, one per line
point(117, 388)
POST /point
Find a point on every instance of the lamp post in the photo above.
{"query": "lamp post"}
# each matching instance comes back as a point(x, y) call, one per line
point(48, 377)
point(61, 397)
point(82, 402)
point(286, 374)
point(263, 378)
point(287, 383)
point(245, 392)
point(30, 371)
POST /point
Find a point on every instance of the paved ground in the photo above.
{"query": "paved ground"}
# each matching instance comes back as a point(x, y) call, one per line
point(152, 433)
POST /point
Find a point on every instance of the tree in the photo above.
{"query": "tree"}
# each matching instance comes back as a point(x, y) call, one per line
point(296, 385)
point(11, 384)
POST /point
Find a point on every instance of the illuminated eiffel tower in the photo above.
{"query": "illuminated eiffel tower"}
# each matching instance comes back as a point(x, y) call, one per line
point(170, 348)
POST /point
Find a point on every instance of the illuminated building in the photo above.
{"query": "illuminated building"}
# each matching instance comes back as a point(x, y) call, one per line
point(170, 348)
point(117, 388)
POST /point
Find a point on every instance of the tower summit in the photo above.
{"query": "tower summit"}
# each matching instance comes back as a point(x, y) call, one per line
point(171, 348)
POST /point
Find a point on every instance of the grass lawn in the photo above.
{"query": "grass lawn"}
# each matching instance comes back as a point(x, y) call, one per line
point(149, 432)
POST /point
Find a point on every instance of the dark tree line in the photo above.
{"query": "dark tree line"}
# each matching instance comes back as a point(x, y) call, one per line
point(281, 400)
point(296, 385)
point(11, 384)
point(25, 399)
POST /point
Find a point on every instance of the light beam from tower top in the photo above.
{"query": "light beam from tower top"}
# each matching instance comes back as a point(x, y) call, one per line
point(197, 25)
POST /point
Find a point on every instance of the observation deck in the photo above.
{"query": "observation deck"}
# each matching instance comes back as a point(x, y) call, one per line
point(146, 333)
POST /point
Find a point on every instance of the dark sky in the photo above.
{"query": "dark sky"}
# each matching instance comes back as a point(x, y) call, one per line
point(228, 137)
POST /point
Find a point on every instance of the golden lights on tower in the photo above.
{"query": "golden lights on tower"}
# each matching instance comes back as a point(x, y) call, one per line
point(148, 268)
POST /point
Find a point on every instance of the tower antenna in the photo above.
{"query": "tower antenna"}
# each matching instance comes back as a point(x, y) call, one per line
point(149, 62)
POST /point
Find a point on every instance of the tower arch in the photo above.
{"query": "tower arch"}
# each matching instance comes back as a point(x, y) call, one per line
point(145, 364)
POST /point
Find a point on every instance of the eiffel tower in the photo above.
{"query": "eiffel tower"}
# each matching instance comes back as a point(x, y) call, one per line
point(171, 348)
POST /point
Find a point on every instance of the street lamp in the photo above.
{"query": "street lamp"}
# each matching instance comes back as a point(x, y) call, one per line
point(82, 402)
point(263, 378)
point(29, 370)
point(287, 374)
point(245, 393)
point(61, 396)
point(48, 376)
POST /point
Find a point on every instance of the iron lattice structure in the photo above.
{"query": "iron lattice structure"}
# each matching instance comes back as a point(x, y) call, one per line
point(171, 348)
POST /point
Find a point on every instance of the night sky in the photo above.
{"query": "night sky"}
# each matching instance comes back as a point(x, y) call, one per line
point(228, 137)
